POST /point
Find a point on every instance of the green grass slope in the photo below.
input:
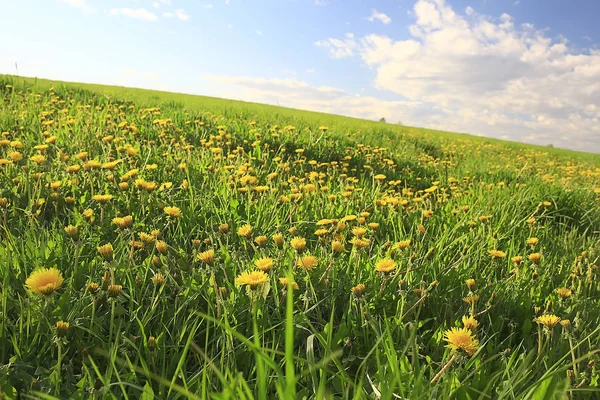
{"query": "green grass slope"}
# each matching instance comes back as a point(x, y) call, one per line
point(204, 248)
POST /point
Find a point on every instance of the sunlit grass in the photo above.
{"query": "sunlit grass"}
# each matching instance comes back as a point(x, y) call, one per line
point(183, 249)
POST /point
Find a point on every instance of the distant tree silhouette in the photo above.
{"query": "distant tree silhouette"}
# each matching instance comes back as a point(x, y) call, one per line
point(382, 120)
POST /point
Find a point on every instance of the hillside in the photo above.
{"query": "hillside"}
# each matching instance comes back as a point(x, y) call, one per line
point(182, 246)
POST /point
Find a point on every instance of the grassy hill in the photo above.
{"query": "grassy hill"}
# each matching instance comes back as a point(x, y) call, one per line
point(178, 246)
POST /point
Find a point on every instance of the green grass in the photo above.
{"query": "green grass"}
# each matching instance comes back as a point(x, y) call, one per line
point(199, 335)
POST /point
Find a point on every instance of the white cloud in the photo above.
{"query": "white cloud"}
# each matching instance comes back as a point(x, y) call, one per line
point(298, 94)
point(208, 6)
point(311, 70)
point(339, 48)
point(379, 16)
point(485, 76)
point(80, 4)
point(138, 13)
point(182, 15)
point(168, 15)
point(155, 4)
point(259, 32)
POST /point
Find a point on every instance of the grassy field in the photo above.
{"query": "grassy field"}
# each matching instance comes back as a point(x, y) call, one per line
point(160, 245)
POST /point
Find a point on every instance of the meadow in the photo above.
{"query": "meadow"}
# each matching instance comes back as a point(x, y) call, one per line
point(159, 245)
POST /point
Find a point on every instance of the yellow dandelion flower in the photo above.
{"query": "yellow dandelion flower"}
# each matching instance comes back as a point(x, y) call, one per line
point(264, 264)
point(245, 230)
point(173, 212)
point(564, 293)
point(548, 320)
point(461, 339)
point(106, 251)
point(535, 258)
point(307, 262)
point(497, 253)
point(298, 243)
point(470, 322)
point(44, 280)
point(359, 231)
point(207, 257)
point(252, 279)
point(386, 265)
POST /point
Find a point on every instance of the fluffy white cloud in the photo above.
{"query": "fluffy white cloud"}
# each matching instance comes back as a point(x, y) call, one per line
point(137, 13)
point(483, 75)
point(80, 4)
point(339, 48)
point(379, 16)
point(182, 14)
point(298, 94)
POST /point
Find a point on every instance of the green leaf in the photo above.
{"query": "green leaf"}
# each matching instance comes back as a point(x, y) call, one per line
point(148, 393)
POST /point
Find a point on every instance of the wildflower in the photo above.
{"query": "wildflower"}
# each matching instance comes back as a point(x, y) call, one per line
point(152, 342)
point(548, 320)
point(223, 228)
point(360, 243)
point(565, 323)
point(162, 247)
point(359, 231)
point(173, 212)
point(564, 293)
point(278, 239)
point(307, 262)
point(44, 281)
point(124, 222)
point(245, 230)
point(497, 253)
point(386, 265)
point(461, 339)
point(517, 260)
point(401, 245)
point(252, 279)
point(298, 244)
point(470, 284)
point(114, 290)
point(72, 231)
point(379, 177)
point(207, 257)
point(61, 328)
point(285, 282)
point(102, 198)
point(261, 240)
point(158, 279)
point(470, 322)
point(106, 251)
point(532, 241)
point(337, 247)
point(470, 300)
point(359, 289)
point(264, 264)
point(535, 258)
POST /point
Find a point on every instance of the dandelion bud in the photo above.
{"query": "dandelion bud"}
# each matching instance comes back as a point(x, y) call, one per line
point(106, 251)
point(152, 342)
point(162, 247)
point(156, 261)
point(62, 328)
point(278, 239)
point(72, 231)
point(223, 228)
point(114, 290)
point(470, 284)
point(359, 290)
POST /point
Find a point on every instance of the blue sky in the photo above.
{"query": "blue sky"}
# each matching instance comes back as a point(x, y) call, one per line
point(526, 70)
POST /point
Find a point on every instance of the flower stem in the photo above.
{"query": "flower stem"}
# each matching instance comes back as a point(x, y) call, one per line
point(444, 368)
